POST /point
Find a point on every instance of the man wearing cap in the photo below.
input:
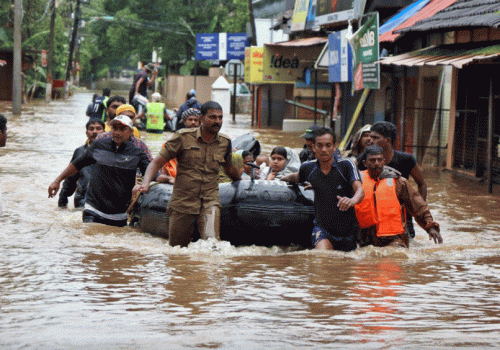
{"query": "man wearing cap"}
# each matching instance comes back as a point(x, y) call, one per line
point(116, 160)
point(191, 102)
point(307, 152)
point(124, 109)
point(195, 199)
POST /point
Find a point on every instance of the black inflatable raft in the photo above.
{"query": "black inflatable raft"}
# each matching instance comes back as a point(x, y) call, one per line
point(253, 212)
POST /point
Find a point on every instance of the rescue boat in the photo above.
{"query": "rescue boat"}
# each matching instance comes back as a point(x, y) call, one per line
point(253, 212)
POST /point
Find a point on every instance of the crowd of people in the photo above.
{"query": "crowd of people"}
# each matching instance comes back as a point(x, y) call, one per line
point(361, 197)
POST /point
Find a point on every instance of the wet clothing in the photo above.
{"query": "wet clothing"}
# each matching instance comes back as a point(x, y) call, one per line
point(78, 182)
point(406, 197)
point(404, 163)
point(191, 103)
point(345, 244)
point(110, 188)
point(198, 165)
point(380, 206)
point(341, 225)
point(195, 198)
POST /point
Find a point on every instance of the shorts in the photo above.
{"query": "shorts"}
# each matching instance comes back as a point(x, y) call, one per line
point(345, 244)
point(90, 216)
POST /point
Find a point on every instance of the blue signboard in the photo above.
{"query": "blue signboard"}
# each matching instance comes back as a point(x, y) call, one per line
point(207, 46)
point(339, 57)
point(236, 43)
point(221, 46)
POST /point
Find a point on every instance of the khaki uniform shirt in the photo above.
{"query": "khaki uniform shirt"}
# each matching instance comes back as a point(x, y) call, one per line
point(198, 166)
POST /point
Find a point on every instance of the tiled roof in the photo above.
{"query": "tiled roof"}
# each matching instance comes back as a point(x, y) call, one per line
point(463, 13)
point(433, 7)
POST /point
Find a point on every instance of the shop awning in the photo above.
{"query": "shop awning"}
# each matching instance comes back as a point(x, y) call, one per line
point(456, 55)
point(300, 42)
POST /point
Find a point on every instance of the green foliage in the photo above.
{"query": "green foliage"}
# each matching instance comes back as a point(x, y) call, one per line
point(119, 33)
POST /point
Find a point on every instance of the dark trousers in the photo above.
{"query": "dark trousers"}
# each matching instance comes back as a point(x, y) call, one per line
point(89, 216)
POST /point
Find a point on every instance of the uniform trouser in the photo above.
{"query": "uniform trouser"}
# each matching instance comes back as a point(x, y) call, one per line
point(181, 225)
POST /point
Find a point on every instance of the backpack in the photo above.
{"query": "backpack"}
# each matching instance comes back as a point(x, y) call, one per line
point(98, 107)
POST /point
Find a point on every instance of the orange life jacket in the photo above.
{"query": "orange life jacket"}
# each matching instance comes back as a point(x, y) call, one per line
point(171, 167)
point(380, 206)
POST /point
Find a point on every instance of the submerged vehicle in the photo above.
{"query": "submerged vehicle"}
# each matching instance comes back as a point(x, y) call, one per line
point(256, 212)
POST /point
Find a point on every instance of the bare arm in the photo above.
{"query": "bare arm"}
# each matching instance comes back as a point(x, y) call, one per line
point(346, 202)
point(416, 174)
point(153, 76)
point(54, 186)
point(291, 178)
point(232, 171)
point(151, 171)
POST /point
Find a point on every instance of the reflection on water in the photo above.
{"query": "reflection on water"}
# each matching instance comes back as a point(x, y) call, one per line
point(65, 284)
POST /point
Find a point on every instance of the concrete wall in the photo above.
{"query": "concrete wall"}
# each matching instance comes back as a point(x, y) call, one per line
point(177, 86)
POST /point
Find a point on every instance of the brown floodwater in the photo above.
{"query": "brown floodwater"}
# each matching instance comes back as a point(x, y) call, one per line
point(65, 284)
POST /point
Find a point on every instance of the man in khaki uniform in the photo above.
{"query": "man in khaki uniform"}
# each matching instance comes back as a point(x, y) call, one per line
point(195, 199)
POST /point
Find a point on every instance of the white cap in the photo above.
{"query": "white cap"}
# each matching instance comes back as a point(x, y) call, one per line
point(156, 97)
point(122, 118)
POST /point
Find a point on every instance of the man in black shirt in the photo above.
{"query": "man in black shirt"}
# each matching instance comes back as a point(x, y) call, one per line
point(116, 161)
point(337, 189)
point(80, 181)
point(140, 87)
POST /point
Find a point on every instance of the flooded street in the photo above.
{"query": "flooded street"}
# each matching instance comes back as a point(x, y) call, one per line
point(69, 285)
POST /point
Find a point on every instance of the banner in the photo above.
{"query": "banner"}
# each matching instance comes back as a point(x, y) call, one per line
point(220, 46)
point(299, 15)
point(254, 58)
point(366, 52)
point(337, 11)
point(339, 58)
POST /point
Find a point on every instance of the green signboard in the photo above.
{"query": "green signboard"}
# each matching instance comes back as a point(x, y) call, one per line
point(366, 73)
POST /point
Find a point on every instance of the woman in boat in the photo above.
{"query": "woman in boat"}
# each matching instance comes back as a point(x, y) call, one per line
point(284, 161)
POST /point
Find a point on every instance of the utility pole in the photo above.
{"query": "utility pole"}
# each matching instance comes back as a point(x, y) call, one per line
point(48, 89)
point(72, 42)
point(17, 80)
point(253, 42)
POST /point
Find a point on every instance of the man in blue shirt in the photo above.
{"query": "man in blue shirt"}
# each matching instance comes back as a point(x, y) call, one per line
point(337, 189)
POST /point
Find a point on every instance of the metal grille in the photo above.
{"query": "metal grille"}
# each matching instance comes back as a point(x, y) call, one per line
point(427, 136)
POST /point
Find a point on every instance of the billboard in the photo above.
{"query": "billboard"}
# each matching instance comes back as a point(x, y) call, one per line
point(365, 46)
point(299, 15)
point(288, 64)
point(221, 46)
point(333, 11)
point(339, 58)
